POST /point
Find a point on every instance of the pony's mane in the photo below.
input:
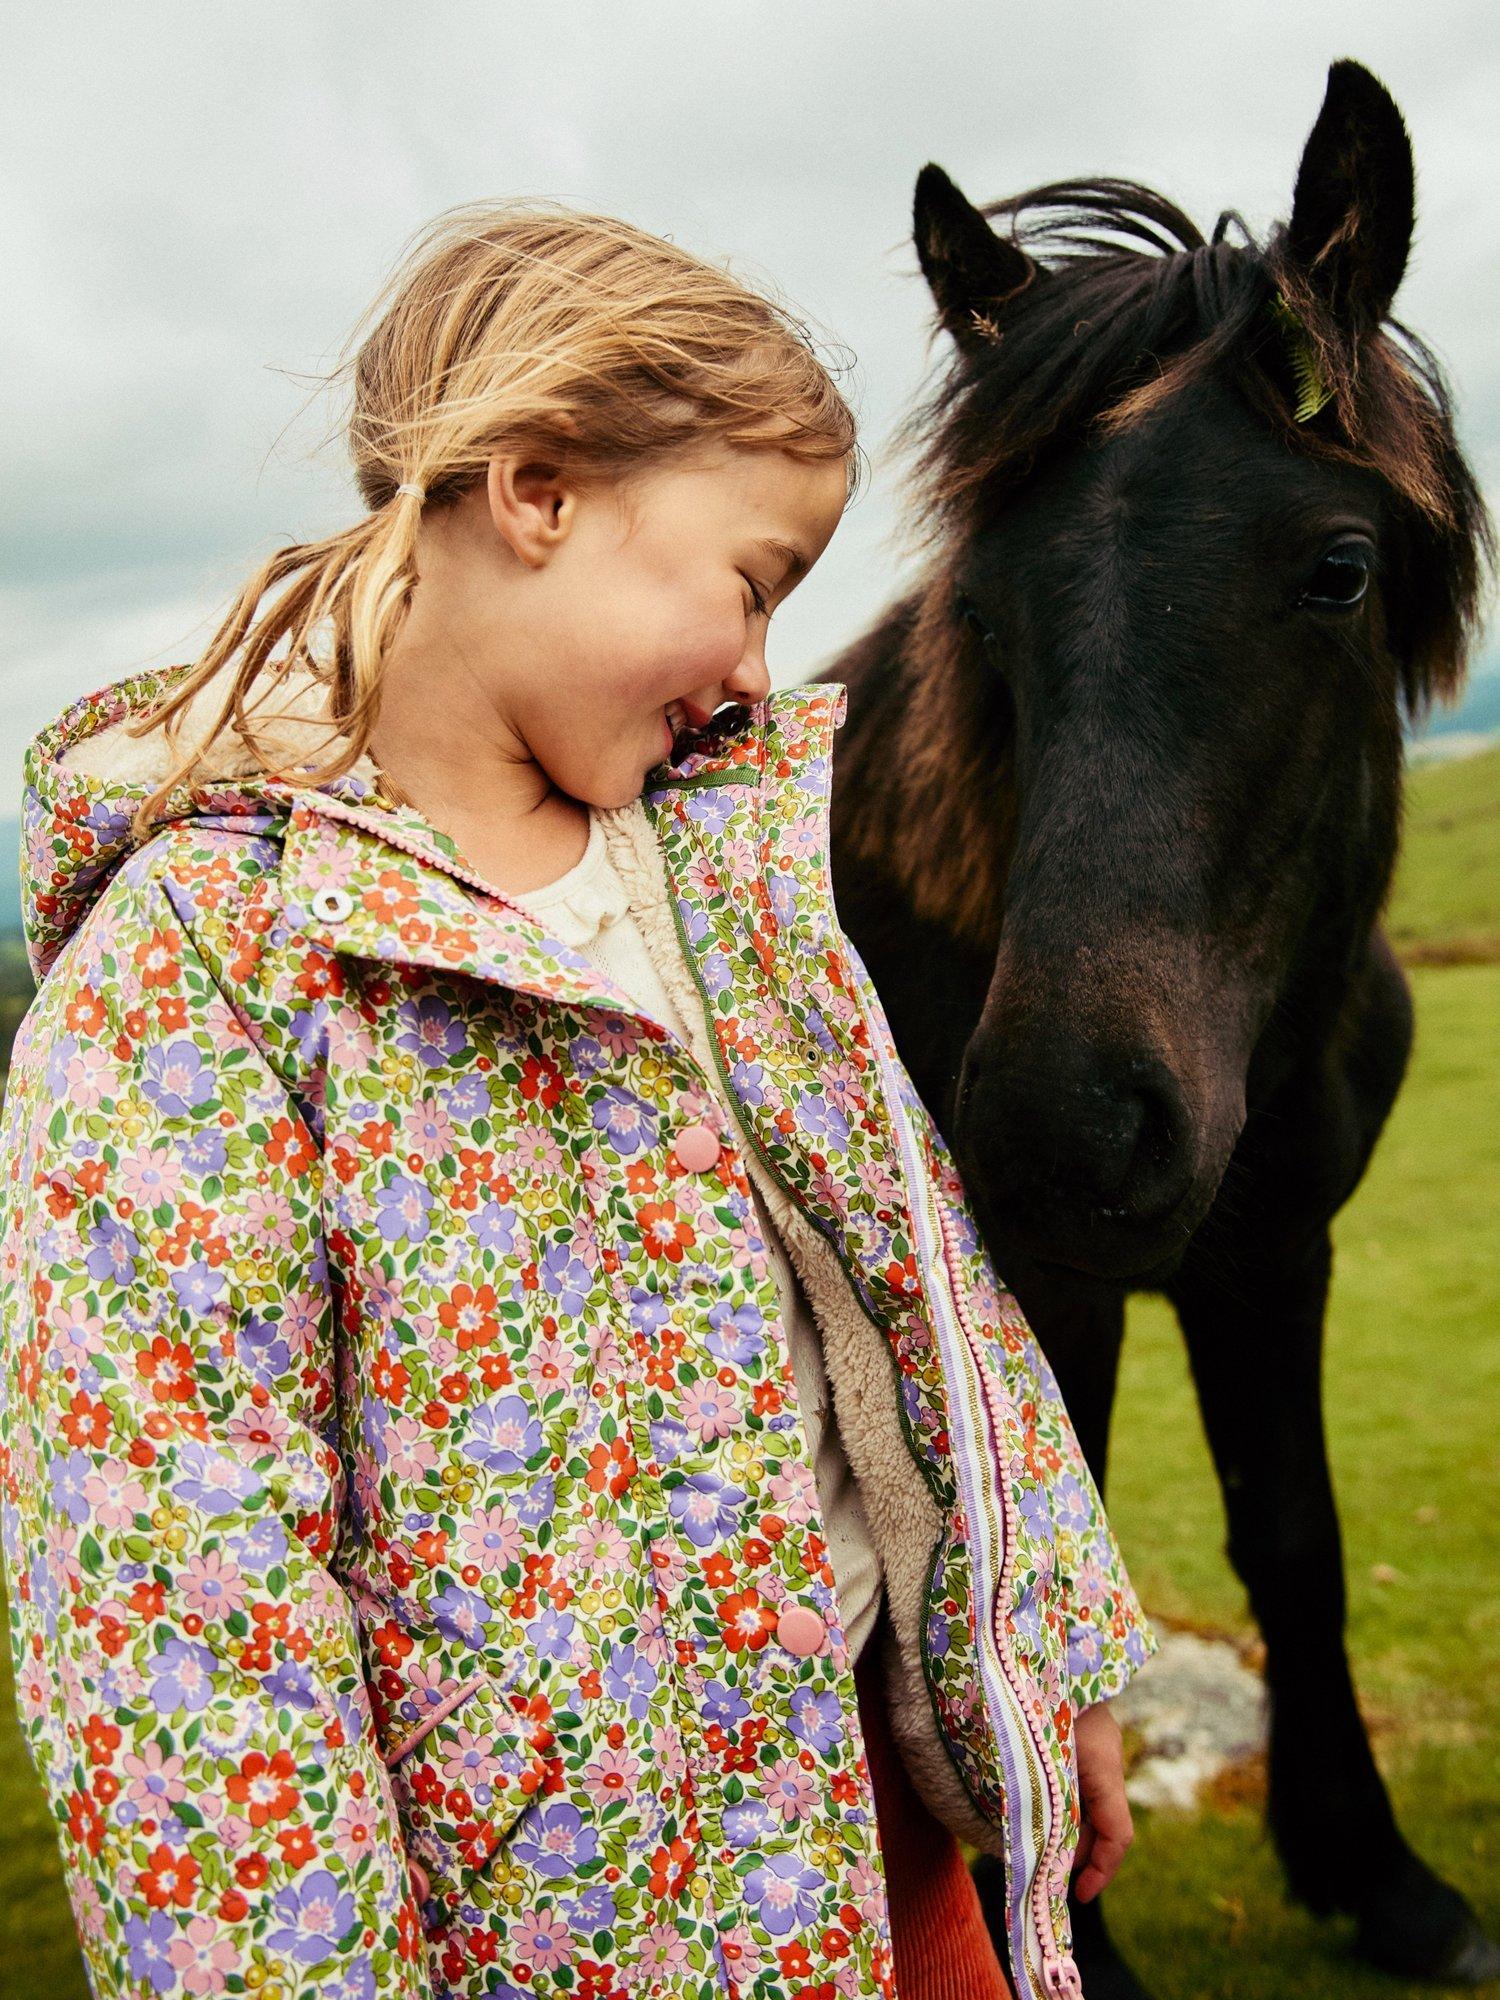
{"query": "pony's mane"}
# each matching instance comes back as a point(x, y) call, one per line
point(1129, 304)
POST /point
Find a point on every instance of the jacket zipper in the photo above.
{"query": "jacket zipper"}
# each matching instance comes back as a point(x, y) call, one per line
point(1060, 1975)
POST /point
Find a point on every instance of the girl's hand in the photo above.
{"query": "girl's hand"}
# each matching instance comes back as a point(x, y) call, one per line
point(1107, 1830)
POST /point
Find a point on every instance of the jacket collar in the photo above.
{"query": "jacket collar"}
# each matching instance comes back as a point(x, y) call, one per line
point(379, 882)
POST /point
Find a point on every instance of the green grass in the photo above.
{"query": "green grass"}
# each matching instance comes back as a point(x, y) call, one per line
point(1411, 1373)
point(1447, 897)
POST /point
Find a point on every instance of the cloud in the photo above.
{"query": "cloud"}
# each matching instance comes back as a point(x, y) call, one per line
point(197, 204)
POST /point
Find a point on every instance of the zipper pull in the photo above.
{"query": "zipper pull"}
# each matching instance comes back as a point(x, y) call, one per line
point(1061, 1976)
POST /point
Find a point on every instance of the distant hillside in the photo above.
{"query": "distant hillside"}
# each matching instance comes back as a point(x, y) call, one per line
point(1446, 905)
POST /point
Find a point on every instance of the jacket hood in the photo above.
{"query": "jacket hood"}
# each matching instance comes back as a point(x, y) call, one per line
point(85, 778)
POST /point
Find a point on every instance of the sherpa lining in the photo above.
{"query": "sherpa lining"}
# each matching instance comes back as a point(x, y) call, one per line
point(289, 716)
point(905, 1520)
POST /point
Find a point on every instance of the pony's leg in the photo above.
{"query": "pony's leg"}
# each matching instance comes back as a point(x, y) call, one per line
point(1256, 1351)
point(1080, 1325)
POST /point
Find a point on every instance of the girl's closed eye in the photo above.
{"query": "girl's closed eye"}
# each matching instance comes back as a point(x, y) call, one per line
point(757, 599)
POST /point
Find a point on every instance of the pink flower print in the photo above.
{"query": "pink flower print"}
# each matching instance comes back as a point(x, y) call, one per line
point(268, 1218)
point(355, 1828)
point(76, 1328)
point(535, 1151)
point(663, 1948)
point(204, 1956)
point(251, 1431)
point(613, 1775)
point(710, 1411)
point(351, 1041)
point(330, 867)
point(212, 1586)
point(494, 1539)
point(154, 1780)
point(789, 1790)
point(542, 1937)
point(151, 1175)
point(408, 1447)
point(88, 1077)
point(431, 1130)
point(743, 1954)
point(618, 1034)
point(602, 1546)
point(114, 1494)
point(301, 1318)
point(551, 1364)
point(1091, 1584)
point(669, 1561)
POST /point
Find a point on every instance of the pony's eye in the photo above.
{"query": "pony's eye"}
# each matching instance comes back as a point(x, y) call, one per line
point(1341, 577)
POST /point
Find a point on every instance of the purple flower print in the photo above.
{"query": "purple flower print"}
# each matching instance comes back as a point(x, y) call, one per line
point(649, 1311)
point(290, 1685)
point(353, 1980)
point(735, 1331)
point(1070, 1507)
point(176, 1078)
point(494, 1228)
point(749, 1081)
point(467, 1097)
point(717, 974)
point(63, 1051)
point(711, 808)
point(565, 1278)
point(260, 1548)
point(1036, 1513)
point(815, 1114)
point(724, 1704)
point(502, 1435)
point(312, 1913)
point(707, 1507)
point(939, 1636)
point(402, 1208)
point(198, 1285)
point(430, 1031)
point(182, 1677)
point(210, 1480)
point(539, 1503)
point(554, 1840)
point(112, 1252)
point(785, 1892)
point(204, 1152)
point(149, 1941)
point(462, 1614)
point(66, 1474)
point(669, 1439)
point(751, 1824)
point(816, 1720)
point(630, 1676)
point(552, 1633)
point(782, 890)
point(595, 1910)
point(628, 1121)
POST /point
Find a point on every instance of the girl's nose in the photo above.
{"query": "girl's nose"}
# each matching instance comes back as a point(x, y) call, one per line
point(751, 680)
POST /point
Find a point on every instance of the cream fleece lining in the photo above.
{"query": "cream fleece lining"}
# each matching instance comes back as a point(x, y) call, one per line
point(905, 1520)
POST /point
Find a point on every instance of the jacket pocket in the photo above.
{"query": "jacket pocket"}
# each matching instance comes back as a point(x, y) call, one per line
point(467, 1774)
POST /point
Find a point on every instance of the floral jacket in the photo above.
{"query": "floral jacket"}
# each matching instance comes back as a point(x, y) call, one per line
point(417, 1579)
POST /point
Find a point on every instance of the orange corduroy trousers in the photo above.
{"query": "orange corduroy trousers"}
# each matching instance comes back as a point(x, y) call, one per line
point(939, 1937)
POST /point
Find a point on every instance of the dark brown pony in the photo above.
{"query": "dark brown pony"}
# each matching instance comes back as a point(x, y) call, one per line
point(1115, 813)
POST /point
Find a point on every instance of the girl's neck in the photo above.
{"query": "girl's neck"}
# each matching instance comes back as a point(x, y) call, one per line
point(443, 750)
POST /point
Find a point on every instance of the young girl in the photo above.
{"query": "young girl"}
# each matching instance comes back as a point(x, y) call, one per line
point(520, 1478)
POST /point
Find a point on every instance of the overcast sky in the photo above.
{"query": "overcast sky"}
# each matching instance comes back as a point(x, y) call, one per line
point(196, 204)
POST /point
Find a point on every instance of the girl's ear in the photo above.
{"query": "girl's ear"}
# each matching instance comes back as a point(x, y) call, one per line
point(532, 504)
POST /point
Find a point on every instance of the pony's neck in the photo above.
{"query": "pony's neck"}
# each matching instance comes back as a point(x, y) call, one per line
point(922, 756)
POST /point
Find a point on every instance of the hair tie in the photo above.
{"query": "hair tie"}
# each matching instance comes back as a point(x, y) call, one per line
point(410, 486)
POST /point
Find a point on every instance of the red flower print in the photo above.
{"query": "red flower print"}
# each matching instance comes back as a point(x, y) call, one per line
point(265, 1785)
point(158, 960)
point(169, 1879)
point(663, 1232)
point(392, 897)
point(611, 1467)
point(169, 1367)
point(746, 1621)
point(469, 1313)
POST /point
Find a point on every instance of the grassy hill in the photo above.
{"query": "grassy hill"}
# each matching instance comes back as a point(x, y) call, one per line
point(1446, 905)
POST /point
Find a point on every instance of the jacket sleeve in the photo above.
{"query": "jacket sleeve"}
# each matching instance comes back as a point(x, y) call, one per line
point(188, 1671)
point(1108, 1634)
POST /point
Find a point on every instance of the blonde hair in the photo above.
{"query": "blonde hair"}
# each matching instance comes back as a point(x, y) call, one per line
point(507, 326)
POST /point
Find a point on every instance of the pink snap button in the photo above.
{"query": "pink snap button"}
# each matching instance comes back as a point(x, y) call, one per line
point(421, 1886)
point(697, 1148)
point(801, 1631)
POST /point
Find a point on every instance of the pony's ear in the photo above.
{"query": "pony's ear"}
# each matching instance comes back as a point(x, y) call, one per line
point(970, 271)
point(1352, 210)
